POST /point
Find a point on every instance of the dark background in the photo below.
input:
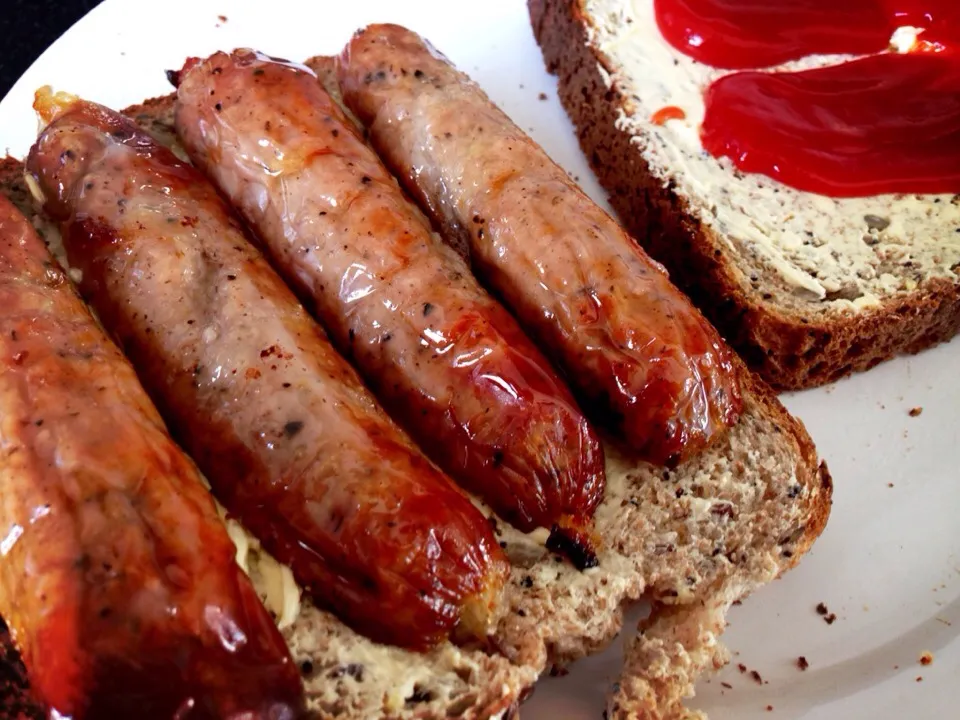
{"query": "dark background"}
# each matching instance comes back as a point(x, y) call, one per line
point(28, 27)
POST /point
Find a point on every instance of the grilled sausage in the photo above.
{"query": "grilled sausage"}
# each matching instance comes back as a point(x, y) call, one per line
point(632, 345)
point(118, 578)
point(444, 357)
point(293, 444)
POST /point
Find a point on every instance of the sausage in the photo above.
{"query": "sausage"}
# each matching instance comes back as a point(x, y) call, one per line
point(292, 443)
point(448, 362)
point(632, 345)
point(118, 578)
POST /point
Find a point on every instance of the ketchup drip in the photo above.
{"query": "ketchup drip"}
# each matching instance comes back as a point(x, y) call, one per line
point(886, 123)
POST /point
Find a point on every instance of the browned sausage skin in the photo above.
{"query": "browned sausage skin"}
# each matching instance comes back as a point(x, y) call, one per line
point(291, 441)
point(118, 578)
point(631, 344)
point(445, 358)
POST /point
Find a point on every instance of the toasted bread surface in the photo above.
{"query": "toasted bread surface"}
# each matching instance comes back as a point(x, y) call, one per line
point(806, 288)
point(699, 536)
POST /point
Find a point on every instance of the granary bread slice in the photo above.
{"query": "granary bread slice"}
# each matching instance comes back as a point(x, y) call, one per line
point(702, 535)
point(807, 288)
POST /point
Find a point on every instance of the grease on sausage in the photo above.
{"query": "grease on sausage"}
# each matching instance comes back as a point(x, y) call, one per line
point(291, 441)
point(117, 576)
point(444, 357)
point(634, 347)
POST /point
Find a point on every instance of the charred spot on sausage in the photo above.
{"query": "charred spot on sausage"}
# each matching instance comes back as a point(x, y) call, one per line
point(292, 428)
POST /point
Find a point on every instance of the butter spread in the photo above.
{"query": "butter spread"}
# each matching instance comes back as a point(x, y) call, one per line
point(849, 252)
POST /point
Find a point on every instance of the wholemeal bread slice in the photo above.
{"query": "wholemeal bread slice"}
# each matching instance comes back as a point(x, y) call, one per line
point(807, 288)
point(700, 536)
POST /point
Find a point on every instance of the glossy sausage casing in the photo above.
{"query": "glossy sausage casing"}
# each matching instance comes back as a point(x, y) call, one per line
point(291, 441)
point(632, 345)
point(447, 360)
point(118, 578)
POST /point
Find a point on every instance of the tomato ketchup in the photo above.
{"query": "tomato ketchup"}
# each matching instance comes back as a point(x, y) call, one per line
point(885, 122)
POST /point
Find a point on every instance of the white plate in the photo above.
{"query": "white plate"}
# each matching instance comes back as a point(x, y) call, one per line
point(889, 561)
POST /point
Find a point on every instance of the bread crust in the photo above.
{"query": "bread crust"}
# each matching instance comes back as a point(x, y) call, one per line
point(790, 349)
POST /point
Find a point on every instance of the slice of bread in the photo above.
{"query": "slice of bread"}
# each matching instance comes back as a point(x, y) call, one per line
point(807, 288)
point(700, 536)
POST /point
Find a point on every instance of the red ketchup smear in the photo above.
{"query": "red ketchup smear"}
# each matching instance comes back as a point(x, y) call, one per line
point(757, 33)
point(887, 123)
point(670, 112)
